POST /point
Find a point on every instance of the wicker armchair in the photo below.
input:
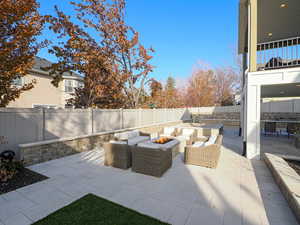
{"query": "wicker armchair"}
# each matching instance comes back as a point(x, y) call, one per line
point(206, 156)
point(117, 154)
point(118, 151)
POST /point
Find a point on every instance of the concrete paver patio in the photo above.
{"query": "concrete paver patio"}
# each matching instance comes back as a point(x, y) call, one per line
point(238, 192)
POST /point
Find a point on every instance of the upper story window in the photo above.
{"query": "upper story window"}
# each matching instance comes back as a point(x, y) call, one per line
point(80, 84)
point(70, 85)
point(69, 88)
point(18, 82)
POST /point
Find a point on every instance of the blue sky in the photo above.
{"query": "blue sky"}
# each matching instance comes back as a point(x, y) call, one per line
point(182, 32)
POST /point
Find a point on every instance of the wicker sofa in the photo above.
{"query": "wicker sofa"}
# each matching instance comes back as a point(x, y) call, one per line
point(207, 155)
point(118, 151)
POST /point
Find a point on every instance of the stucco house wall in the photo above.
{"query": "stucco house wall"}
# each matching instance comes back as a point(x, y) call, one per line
point(43, 93)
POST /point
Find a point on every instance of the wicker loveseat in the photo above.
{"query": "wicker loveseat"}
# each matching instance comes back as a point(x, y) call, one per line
point(207, 155)
point(118, 151)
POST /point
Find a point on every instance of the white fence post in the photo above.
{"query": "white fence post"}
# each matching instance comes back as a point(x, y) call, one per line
point(140, 117)
point(121, 119)
point(92, 119)
point(44, 124)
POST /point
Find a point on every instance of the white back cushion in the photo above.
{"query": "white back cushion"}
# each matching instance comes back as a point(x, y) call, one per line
point(187, 132)
point(198, 144)
point(169, 130)
point(127, 135)
point(211, 140)
point(133, 134)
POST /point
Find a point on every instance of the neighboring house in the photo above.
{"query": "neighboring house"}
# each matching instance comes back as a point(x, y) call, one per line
point(269, 39)
point(44, 94)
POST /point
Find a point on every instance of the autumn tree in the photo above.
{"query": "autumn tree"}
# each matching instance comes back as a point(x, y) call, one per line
point(156, 88)
point(171, 97)
point(20, 24)
point(200, 90)
point(226, 82)
point(80, 52)
point(126, 59)
point(156, 94)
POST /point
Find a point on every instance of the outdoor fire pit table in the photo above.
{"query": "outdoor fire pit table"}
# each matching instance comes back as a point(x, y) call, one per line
point(152, 158)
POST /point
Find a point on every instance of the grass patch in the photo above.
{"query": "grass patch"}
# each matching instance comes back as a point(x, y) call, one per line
point(93, 210)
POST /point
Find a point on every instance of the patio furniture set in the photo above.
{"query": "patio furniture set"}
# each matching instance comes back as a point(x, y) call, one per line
point(286, 127)
point(152, 154)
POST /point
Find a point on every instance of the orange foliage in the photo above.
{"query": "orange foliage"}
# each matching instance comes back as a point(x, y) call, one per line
point(20, 24)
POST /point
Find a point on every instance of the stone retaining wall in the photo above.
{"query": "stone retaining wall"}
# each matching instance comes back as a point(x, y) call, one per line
point(233, 118)
point(287, 179)
point(38, 152)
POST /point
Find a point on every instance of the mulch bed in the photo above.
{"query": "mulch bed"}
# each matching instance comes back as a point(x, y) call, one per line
point(23, 178)
point(295, 165)
point(93, 210)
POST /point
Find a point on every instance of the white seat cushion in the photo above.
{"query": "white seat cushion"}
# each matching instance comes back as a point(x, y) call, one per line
point(118, 142)
point(211, 140)
point(138, 139)
point(198, 144)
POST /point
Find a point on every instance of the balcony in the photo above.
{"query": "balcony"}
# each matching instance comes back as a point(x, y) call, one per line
point(278, 54)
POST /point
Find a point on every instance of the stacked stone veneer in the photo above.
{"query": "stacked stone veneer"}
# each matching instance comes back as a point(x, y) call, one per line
point(226, 118)
point(233, 118)
point(281, 116)
point(38, 152)
point(287, 179)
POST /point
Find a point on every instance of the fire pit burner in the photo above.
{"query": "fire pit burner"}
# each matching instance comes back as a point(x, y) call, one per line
point(162, 140)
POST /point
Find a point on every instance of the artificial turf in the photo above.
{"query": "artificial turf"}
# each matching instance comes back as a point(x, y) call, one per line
point(93, 210)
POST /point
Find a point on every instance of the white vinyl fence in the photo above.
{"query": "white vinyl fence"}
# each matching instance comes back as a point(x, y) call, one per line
point(19, 126)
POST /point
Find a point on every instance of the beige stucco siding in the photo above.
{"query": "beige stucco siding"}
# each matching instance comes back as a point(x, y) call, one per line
point(44, 93)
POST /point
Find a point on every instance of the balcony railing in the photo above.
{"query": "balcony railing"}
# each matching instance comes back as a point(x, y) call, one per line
point(278, 54)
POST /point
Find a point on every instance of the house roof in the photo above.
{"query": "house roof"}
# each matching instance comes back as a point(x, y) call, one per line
point(41, 63)
point(280, 18)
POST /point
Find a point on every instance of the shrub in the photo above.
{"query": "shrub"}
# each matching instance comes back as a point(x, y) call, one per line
point(8, 169)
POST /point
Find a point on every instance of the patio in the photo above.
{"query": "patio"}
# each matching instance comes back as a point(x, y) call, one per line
point(238, 192)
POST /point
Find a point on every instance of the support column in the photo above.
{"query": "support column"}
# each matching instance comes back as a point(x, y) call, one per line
point(253, 96)
point(243, 114)
point(252, 35)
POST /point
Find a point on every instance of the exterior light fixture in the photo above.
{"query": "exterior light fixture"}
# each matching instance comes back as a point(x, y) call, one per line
point(270, 34)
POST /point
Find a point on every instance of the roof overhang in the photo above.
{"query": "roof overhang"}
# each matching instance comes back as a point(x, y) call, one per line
point(277, 20)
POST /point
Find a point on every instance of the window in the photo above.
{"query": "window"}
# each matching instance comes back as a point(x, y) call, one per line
point(18, 82)
point(69, 86)
point(80, 84)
